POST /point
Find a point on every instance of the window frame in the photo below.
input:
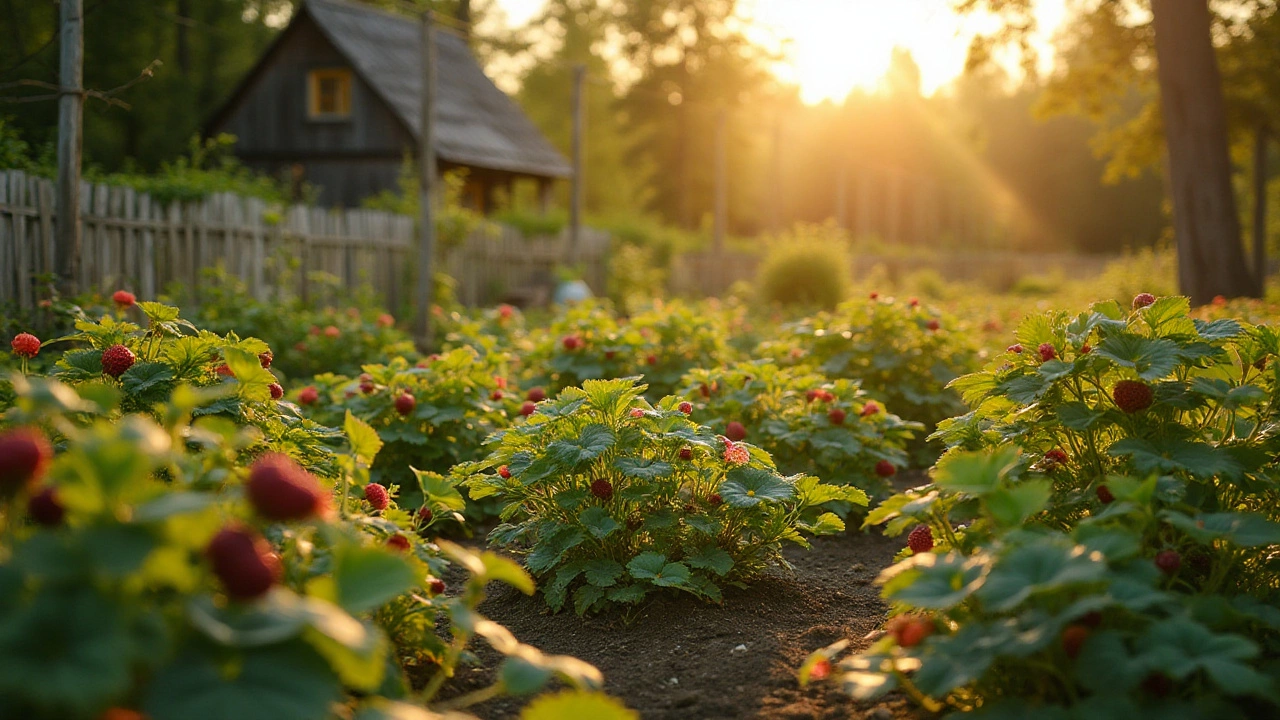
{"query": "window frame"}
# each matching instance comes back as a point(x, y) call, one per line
point(315, 77)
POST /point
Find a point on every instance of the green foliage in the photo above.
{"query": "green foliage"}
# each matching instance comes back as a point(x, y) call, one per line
point(887, 345)
point(807, 269)
point(460, 398)
point(1094, 552)
point(117, 605)
point(454, 221)
point(809, 424)
point(604, 508)
point(170, 353)
point(208, 167)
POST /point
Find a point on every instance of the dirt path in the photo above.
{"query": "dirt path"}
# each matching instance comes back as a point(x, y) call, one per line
point(677, 658)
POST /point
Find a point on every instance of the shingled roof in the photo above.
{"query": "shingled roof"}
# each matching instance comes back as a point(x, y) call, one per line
point(476, 123)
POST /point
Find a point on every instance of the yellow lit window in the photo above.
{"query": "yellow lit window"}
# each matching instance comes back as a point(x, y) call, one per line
point(329, 94)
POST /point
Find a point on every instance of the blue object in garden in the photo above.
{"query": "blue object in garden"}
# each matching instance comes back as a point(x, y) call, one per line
point(570, 292)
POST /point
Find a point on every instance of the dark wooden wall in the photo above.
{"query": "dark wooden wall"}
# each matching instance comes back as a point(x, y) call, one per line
point(347, 160)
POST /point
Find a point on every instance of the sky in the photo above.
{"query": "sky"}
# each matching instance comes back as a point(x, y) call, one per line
point(838, 45)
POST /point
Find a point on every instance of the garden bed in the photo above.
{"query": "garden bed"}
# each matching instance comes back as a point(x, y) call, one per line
point(676, 657)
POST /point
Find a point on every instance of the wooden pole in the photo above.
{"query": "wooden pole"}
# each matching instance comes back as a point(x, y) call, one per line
point(426, 187)
point(70, 134)
point(1260, 208)
point(722, 181)
point(578, 189)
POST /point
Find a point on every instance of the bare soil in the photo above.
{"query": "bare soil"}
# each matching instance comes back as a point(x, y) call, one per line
point(675, 657)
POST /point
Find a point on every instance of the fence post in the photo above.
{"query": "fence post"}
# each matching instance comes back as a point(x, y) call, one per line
point(426, 185)
point(70, 115)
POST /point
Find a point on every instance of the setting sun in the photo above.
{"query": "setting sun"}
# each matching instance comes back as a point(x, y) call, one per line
point(835, 46)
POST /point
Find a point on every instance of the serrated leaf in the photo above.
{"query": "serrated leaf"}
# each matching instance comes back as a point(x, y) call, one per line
point(643, 468)
point(711, 558)
point(577, 704)
point(1152, 358)
point(602, 572)
point(747, 487)
point(364, 440)
point(598, 522)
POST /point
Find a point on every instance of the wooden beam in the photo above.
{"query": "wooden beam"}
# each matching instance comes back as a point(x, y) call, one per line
point(426, 187)
point(70, 135)
point(578, 190)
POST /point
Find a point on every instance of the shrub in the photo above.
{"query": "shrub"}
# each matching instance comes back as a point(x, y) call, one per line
point(610, 498)
point(1105, 525)
point(159, 586)
point(809, 424)
point(891, 346)
point(126, 368)
point(805, 270)
point(459, 399)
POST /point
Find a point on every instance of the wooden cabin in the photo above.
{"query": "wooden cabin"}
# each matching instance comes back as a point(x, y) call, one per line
point(335, 103)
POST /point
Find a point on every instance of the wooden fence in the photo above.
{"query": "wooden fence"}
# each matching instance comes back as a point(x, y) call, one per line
point(704, 274)
point(131, 241)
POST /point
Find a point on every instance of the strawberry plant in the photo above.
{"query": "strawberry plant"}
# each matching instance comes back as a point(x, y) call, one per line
point(807, 423)
point(611, 498)
point(429, 417)
point(902, 353)
point(142, 569)
point(135, 369)
point(1131, 612)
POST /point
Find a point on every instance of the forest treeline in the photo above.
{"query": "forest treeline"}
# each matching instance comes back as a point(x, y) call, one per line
point(1068, 160)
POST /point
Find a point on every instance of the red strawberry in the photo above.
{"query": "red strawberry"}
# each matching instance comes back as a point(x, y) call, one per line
point(332, 332)
point(836, 416)
point(874, 295)
point(367, 387)
point(884, 468)
point(933, 325)
point(602, 489)
point(1168, 561)
point(280, 489)
point(405, 403)
point(685, 407)
point(1142, 300)
point(1073, 638)
point(1056, 456)
point(1104, 495)
point(1014, 348)
point(436, 585)
point(45, 508)
point(1047, 352)
point(715, 499)
point(820, 670)
point(399, 543)
point(735, 431)
point(686, 453)
point(501, 382)
point(376, 495)
point(610, 354)
point(505, 311)
point(536, 395)
point(266, 358)
point(425, 515)
point(309, 395)
point(505, 472)
point(277, 392)
point(224, 370)
point(914, 302)
point(910, 630)
point(652, 360)
point(528, 408)
point(244, 562)
point(921, 539)
point(116, 360)
point(123, 299)
point(386, 320)
point(25, 345)
point(24, 456)
point(871, 408)
point(496, 395)
point(1085, 349)
point(1132, 396)
point(571, 342)
point(811, 395)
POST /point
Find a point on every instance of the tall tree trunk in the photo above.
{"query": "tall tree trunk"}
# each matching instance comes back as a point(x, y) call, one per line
point(1206, 228)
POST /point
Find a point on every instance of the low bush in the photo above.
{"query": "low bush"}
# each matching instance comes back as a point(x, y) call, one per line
point(806, 270)
point(610, 498)
point(142, 569)
point(807, 423)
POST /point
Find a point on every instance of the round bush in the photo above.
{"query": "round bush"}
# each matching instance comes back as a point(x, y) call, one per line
point(806, 271)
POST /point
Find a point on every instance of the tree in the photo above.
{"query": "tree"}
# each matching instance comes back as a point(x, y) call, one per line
point(1107, 45)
